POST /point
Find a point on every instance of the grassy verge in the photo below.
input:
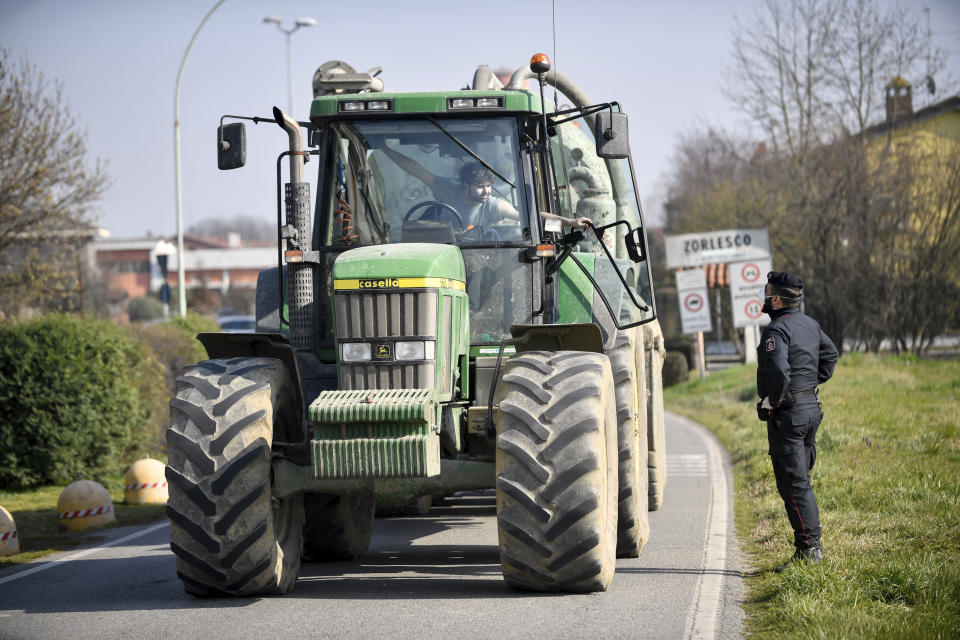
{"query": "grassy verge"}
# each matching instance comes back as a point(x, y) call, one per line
point(887, 481)
point(38, 525)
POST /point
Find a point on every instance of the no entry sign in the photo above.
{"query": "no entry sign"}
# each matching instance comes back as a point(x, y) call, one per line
point(692, 294)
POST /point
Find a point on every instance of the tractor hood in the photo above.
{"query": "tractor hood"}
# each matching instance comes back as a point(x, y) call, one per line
point(392, 261)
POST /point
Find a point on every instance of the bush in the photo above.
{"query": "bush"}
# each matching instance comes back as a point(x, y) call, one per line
point(173, 345)
point(144, 308)
point(675, 369)
point(683, 346)
point(71, 399)
point(194, 323)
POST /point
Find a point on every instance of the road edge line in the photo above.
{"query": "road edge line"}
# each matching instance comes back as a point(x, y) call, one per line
point(79, 554)
point(704, 614)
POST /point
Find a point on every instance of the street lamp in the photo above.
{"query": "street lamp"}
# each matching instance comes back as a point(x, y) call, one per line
point(182, 293)
point(302, 22)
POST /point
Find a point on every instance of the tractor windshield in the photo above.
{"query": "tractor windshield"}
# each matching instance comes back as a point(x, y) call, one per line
point(422, 180)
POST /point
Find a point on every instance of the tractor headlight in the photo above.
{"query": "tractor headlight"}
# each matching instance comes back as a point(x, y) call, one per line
point(415, 350)
point(356, 351)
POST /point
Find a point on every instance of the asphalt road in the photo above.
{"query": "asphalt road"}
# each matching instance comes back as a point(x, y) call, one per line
point(436, 576)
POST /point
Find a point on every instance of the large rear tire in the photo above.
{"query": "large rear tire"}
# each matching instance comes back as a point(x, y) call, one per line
point(655, 425)
point(337, 527)
point(229, 536)
point(633, 524)
point(557, 472)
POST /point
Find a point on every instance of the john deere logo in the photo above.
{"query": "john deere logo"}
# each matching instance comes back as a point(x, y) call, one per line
point(382, 351)
point(383, 283)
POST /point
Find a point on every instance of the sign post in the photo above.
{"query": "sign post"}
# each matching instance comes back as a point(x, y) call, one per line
point(694, 309)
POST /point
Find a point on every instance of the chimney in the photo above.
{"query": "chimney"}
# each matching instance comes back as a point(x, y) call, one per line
point(899, 99)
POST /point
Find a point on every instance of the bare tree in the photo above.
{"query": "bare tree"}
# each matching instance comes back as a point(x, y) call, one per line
point(809, 71)
point(47, 191)
point(921, 254)
point(809, 76)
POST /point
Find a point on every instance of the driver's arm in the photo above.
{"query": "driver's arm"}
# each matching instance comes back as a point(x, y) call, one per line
point(576, 223)
point(507, 210)
point(411, 166)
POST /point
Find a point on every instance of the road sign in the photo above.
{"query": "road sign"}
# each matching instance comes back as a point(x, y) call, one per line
point(694, 306)
point(697, 249)
point(747, 281)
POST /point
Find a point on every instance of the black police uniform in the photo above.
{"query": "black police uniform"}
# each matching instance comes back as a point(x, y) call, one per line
point(793, 357)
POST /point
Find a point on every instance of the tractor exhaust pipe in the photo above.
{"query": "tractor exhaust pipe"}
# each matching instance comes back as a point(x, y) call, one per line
point(299, 237)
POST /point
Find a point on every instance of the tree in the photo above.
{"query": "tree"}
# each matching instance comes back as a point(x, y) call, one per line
point(808, 74)
point(47, 192)
point(920, 252)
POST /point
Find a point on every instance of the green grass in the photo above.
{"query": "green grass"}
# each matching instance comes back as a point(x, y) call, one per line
point(887, 481)
point(38, 524)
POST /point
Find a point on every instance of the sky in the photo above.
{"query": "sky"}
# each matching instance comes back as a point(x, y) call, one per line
point(118, 62)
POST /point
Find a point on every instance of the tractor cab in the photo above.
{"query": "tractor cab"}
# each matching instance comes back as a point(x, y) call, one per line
point(468, 169)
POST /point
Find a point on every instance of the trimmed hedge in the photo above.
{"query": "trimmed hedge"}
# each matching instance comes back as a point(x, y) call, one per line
point(70, 399)
point(84, 396)
point(675, 369)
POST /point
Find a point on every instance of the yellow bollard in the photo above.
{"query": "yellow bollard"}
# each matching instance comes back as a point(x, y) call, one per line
point(9, 542)
point(145, 483)
point(85, 504)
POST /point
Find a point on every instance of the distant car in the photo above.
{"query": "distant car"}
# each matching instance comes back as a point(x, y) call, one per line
point(237, 324)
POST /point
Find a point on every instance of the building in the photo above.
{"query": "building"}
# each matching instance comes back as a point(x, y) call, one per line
point(130, 267)
point(937, 125)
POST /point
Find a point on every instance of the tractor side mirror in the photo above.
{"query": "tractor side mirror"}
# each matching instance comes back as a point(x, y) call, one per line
point(612, 137)
point(634, 242)
point(231, 146)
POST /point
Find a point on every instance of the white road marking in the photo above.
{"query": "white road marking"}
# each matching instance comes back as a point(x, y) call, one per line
point(704, 615)
point(80, 554)
point(690, 465)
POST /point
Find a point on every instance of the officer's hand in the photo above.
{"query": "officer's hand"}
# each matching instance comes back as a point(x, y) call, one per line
point(764, 410)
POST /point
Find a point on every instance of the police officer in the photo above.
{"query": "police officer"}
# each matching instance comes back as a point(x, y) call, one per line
point(793, 357)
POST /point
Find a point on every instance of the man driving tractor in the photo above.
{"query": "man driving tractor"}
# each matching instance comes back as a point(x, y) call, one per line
point(472, 196)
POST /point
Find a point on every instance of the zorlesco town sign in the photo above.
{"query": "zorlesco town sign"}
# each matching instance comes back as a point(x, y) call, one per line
point(709, 247)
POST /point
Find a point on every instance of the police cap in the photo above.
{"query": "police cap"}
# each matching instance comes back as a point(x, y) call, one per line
point(784, 279)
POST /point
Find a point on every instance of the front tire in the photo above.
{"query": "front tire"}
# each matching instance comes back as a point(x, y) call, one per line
point(229, 536)
point(557, 472)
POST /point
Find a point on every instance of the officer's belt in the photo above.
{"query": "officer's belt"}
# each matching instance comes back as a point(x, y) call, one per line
point(806, 393)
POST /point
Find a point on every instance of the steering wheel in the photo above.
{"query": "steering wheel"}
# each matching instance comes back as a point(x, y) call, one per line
point(434, 203)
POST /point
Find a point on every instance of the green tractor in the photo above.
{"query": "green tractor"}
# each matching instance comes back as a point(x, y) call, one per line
point(418, 339)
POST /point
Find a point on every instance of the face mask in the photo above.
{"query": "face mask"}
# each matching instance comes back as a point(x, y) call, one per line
point(767, 300)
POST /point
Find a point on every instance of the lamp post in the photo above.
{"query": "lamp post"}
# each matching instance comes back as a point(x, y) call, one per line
point(181, 286)
point(302, 22)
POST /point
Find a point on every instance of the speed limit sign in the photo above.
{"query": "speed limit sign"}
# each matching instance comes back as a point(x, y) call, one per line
point(754, 310)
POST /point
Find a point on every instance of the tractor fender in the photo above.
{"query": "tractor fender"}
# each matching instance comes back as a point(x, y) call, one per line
point(260, 345)
point(585, 336)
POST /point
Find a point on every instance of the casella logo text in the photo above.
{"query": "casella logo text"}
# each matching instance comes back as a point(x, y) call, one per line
point(385, 283)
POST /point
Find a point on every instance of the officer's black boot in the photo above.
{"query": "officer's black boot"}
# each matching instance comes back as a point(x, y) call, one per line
point(807, 554)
